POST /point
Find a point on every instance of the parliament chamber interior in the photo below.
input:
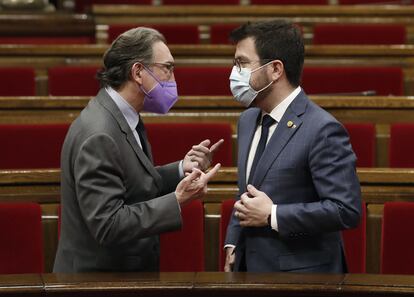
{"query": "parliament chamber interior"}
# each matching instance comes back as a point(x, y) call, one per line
point(359, 66)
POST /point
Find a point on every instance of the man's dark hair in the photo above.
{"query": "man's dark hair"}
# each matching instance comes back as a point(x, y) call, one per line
point(276, 40)
point(132, 46)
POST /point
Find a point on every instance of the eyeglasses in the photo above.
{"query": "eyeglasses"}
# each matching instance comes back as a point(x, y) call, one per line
point(168, 67)
point(240, 63)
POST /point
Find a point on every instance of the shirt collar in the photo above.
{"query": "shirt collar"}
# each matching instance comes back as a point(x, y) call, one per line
point(129, 113)
point(278, 112)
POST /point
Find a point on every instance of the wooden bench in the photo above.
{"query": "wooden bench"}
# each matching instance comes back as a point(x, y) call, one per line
point(42, 57)
point(379, 185)
point(382, 111)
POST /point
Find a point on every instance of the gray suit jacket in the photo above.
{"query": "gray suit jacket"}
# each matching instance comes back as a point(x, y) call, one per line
point(114, 201)
point(308, 170)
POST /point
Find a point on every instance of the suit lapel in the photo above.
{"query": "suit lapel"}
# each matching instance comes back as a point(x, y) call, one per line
point(286, 128)
point(106, 101)
point(248, 126)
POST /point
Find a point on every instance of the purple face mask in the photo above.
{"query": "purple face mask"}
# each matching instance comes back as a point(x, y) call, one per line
point(162, 97)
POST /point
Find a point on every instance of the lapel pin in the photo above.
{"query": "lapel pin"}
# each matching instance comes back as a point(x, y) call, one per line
point(290, 124)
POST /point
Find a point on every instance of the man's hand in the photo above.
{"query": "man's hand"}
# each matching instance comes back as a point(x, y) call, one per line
point(200, 156)
point(194, 185)
point(253, 208)
point(230, 256)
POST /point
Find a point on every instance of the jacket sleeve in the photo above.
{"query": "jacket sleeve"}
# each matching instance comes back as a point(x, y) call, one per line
point(101, 194)
point(170, 176)
point(332, 166)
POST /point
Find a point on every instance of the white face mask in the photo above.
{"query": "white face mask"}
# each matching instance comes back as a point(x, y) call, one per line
point(240, 85)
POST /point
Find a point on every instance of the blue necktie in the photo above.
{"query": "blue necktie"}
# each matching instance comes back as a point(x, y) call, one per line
point(267, 121)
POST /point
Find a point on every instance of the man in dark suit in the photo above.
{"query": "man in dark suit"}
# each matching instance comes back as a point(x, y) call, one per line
point(297, 177)
point(115, 203)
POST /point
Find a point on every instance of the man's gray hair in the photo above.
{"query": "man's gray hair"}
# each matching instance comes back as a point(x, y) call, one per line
point(132, 46)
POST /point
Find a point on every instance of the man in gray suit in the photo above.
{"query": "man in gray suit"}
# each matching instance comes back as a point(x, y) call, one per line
point(297, 177)
point(115, 203)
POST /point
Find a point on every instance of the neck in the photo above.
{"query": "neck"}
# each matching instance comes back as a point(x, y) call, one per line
point(278, 93)
point(129, 92)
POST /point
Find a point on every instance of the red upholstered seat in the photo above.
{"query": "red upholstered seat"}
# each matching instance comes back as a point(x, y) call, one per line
point(333, 80)
point(225, 215)
point(201, 2)
point(84, 5)
point(31, 146)
point(397, 244)
point(199, 81)
point(219, 33)
point(184, 250)
point(73, 81)
point(362, 136)
point(355, 242)
point(289, 2)
point(21, 248)
point(174, 33)
point(401, 145)
point(171, 141)
point(359, 34)
point(17, 81)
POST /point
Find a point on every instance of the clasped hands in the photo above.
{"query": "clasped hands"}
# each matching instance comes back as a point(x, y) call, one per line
point(195, 163)
point(253, 208)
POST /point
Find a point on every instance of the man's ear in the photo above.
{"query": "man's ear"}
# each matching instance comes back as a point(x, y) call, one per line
point(277, 69)
point(136, 73)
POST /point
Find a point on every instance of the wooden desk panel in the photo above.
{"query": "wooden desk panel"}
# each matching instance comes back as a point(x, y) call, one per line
point(212, 284)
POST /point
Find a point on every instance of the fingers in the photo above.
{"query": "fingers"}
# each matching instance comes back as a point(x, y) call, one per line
point(212, 172)
point(239, 207)
point(216, 146)
point(253, 191)
point(195, 174)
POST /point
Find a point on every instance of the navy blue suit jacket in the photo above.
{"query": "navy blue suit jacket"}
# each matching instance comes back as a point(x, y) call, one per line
point(309, 171)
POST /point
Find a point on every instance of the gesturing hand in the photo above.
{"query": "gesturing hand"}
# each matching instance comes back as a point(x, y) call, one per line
point(200, 156)
point(194, 185)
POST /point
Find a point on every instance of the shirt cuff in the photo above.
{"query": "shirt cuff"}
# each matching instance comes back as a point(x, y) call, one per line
point(273, 218)
point(229, 246)
point(181, 169)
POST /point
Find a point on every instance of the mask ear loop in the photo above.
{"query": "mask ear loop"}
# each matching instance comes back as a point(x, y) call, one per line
point(153, 76)
point(268, 85)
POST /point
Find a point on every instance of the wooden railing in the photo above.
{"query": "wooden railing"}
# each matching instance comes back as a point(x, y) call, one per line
point(206, 284)
point(379, 185)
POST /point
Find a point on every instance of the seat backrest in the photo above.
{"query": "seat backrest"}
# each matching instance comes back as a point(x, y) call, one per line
point(183, 251)
point(333, 80)
point(397, 243)
point(225, 215)
point(359, 34)
point(401, 145)
point(173, 33)
point(171, 141)
point(21, 248)
point(73, 81)
point(219, 33)
point(31, 146)
point(355, 243)
point(362, 136)
point(17, 81)
point(203, 81)
point(47, 40)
